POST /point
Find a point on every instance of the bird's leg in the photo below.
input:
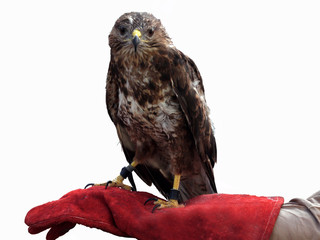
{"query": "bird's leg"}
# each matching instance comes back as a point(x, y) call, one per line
point(125, 172)
point(173, 197)
point(118, 181)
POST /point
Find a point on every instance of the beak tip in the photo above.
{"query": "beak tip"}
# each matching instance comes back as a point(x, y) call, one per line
point(135, 41)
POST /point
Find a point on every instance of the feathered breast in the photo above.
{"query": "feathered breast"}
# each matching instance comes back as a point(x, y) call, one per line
point(147, 103)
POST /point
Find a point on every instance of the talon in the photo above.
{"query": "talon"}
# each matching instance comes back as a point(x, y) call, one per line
point(89, 185)
point(173, 197)
point(118, 182)
point(155, 207)
point(160, 204)
point(94, 184)
point(107, 184)
point(150, 199)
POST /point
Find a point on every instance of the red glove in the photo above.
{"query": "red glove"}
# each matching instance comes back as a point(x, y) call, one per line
point(123, 213)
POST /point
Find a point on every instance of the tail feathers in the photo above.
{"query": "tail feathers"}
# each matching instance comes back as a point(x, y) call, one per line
point(195, 185)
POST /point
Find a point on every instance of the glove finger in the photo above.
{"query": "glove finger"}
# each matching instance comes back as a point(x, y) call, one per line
point(59, 230)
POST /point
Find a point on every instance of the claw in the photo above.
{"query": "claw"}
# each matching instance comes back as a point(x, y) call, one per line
point(155, 207)
point(118, 182)
point(160, 204)
point(150, 199)
point(107, 184)
point(89, 185)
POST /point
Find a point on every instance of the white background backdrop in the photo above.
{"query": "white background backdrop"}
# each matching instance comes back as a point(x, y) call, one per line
point(259, 61)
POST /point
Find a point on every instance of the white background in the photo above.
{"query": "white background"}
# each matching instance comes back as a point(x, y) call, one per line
point(260, 65)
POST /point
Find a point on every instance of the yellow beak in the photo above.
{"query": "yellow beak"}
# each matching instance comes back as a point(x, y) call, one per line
point(136, 34)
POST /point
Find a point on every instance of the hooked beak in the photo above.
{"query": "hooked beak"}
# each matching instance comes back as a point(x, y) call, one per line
point(136, 34)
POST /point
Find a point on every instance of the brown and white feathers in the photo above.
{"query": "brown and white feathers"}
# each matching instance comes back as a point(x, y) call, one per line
point(155, 97)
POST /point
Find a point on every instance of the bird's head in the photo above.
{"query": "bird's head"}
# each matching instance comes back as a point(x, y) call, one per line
point(137, 35)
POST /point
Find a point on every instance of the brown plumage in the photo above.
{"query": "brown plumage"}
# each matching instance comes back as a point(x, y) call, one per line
point(155, 98)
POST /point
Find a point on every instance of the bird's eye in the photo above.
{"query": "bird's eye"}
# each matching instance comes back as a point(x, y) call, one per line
point(122, 30)
point(150, 32)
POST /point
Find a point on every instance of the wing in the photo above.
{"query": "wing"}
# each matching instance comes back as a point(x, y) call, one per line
point(112, 95)
point(148, 174)
point(187, 84)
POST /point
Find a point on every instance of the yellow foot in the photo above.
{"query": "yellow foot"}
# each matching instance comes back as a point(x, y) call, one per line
point(159, 204)
point(117, 182)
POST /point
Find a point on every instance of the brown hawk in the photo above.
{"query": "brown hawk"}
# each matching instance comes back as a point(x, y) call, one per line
point(155, 97)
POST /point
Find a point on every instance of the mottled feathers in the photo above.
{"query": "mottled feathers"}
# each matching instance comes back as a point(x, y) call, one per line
point(155, 97)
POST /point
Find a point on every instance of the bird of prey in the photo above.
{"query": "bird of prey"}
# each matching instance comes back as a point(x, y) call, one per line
point(155, 98)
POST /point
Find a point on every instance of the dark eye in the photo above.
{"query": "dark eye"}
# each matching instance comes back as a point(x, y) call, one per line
point(122, 30)
point(150, 32)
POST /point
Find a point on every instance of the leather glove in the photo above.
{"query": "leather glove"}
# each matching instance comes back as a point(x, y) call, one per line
point(123, 213)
